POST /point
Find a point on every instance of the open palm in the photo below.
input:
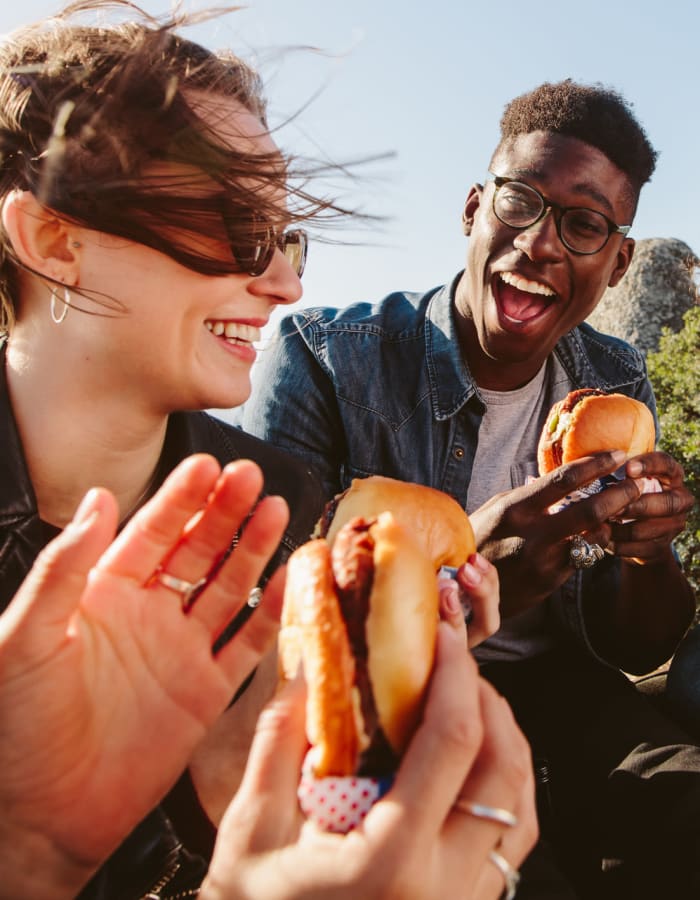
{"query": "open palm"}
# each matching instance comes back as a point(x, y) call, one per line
point(106, 684)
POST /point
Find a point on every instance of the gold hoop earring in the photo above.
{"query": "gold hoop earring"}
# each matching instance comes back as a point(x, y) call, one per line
point(58, 318)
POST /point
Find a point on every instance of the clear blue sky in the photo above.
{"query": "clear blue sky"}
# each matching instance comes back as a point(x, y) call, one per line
point(428, 82)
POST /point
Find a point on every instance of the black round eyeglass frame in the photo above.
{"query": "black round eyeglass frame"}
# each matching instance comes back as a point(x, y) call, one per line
point(256, 258)
point(559, 212)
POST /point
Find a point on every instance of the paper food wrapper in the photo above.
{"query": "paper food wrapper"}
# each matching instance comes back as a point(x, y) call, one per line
point(649, 486)
point(339, 803)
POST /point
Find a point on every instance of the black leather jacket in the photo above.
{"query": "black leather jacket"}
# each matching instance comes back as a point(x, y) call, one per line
point(153, 849)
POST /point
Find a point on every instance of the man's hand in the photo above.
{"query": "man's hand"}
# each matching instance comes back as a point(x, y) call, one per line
point(529, 545)
point(656, 518)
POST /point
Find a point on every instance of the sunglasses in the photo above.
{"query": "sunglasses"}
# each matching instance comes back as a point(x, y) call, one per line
point(255, 258)
point(253, 241)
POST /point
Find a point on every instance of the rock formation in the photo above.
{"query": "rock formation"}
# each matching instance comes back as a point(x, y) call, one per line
point(657, 289)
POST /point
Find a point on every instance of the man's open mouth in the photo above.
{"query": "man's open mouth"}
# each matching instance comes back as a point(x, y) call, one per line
point(521, 299)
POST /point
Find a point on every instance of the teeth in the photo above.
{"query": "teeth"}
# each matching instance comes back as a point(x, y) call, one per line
point(236, 331)
point(523, 284)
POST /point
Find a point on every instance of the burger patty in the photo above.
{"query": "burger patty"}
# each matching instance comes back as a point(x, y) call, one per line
point(352, 560)
point(565, 408)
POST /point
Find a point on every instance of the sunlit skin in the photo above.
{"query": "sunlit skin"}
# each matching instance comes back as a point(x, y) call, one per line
point(522, 289)
point(181, 340)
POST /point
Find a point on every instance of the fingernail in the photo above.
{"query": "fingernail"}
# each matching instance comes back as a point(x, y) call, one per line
point(87, 508)
point(471, 576)
point(634, 468)
point(619, 456)
point(449, 599)
point(479, 562)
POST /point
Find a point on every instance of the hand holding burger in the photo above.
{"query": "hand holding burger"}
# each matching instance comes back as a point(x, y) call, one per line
point(360, 614)
point(589, 421)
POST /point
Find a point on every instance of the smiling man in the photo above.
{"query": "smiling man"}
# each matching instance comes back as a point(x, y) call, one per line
point(451, 389)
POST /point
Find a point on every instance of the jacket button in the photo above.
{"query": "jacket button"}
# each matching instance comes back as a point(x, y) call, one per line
point(458, 452)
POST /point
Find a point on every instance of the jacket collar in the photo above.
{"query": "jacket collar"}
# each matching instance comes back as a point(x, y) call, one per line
point(451, 383)
point(17, 499)
point(590, 358)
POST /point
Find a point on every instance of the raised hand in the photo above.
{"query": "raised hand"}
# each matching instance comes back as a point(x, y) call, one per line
point(107, 681)
point(529, 545)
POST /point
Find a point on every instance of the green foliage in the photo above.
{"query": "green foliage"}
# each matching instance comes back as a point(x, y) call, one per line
point(674, 371)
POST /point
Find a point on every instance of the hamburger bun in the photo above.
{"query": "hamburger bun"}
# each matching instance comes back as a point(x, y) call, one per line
point(439, 523)
point(400, 630)
point(589, 421)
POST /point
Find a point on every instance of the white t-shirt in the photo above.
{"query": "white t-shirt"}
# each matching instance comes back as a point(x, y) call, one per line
point(506, 455)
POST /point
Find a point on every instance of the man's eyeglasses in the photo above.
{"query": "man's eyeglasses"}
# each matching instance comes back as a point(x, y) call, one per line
point(581, 230)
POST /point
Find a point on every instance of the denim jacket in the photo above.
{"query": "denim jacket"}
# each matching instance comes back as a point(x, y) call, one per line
point(383, 389)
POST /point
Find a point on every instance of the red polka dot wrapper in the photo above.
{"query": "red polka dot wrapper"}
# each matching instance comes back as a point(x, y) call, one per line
point(339, 803)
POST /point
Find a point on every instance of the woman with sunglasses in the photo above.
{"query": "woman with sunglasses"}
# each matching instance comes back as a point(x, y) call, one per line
point(150, 226)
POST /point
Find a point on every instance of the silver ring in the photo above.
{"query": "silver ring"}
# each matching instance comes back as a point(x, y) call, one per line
point(583, 555)
point(492, 813)
point(186, 589)
point(511, 876)
point(254, 597)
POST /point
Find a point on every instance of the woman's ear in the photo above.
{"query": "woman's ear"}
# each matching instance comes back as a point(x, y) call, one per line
point(43, 242)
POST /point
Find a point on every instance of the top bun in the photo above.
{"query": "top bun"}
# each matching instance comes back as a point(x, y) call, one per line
point(400, 629)
point(436, 520)
point(596, 423)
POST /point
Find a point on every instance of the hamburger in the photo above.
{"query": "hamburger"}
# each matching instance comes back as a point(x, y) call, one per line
point(589, 421)
point(360, 616)
point(437, 521)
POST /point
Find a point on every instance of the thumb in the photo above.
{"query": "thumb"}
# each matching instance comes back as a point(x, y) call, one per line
point(265, 813)
point(52, 589)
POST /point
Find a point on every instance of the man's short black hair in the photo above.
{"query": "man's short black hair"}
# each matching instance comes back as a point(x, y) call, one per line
point(592, 113)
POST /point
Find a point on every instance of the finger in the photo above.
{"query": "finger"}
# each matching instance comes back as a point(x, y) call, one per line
point(641, 551)
point(230, 587)
point(664, 504)
point(556, 485)
point(501, 772)
point(264, 813)
point(450, 603)
point(442, 749)
point(242, 653)
point(52, 590)
point(600, 536)
point(656, 531)
point(479, 579)
point(209, 534)
point(589, 514)
point(503, 764)
point(154, 529)
point(655, 465)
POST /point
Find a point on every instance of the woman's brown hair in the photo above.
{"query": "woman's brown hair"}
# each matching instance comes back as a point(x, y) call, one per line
point(87, 110)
